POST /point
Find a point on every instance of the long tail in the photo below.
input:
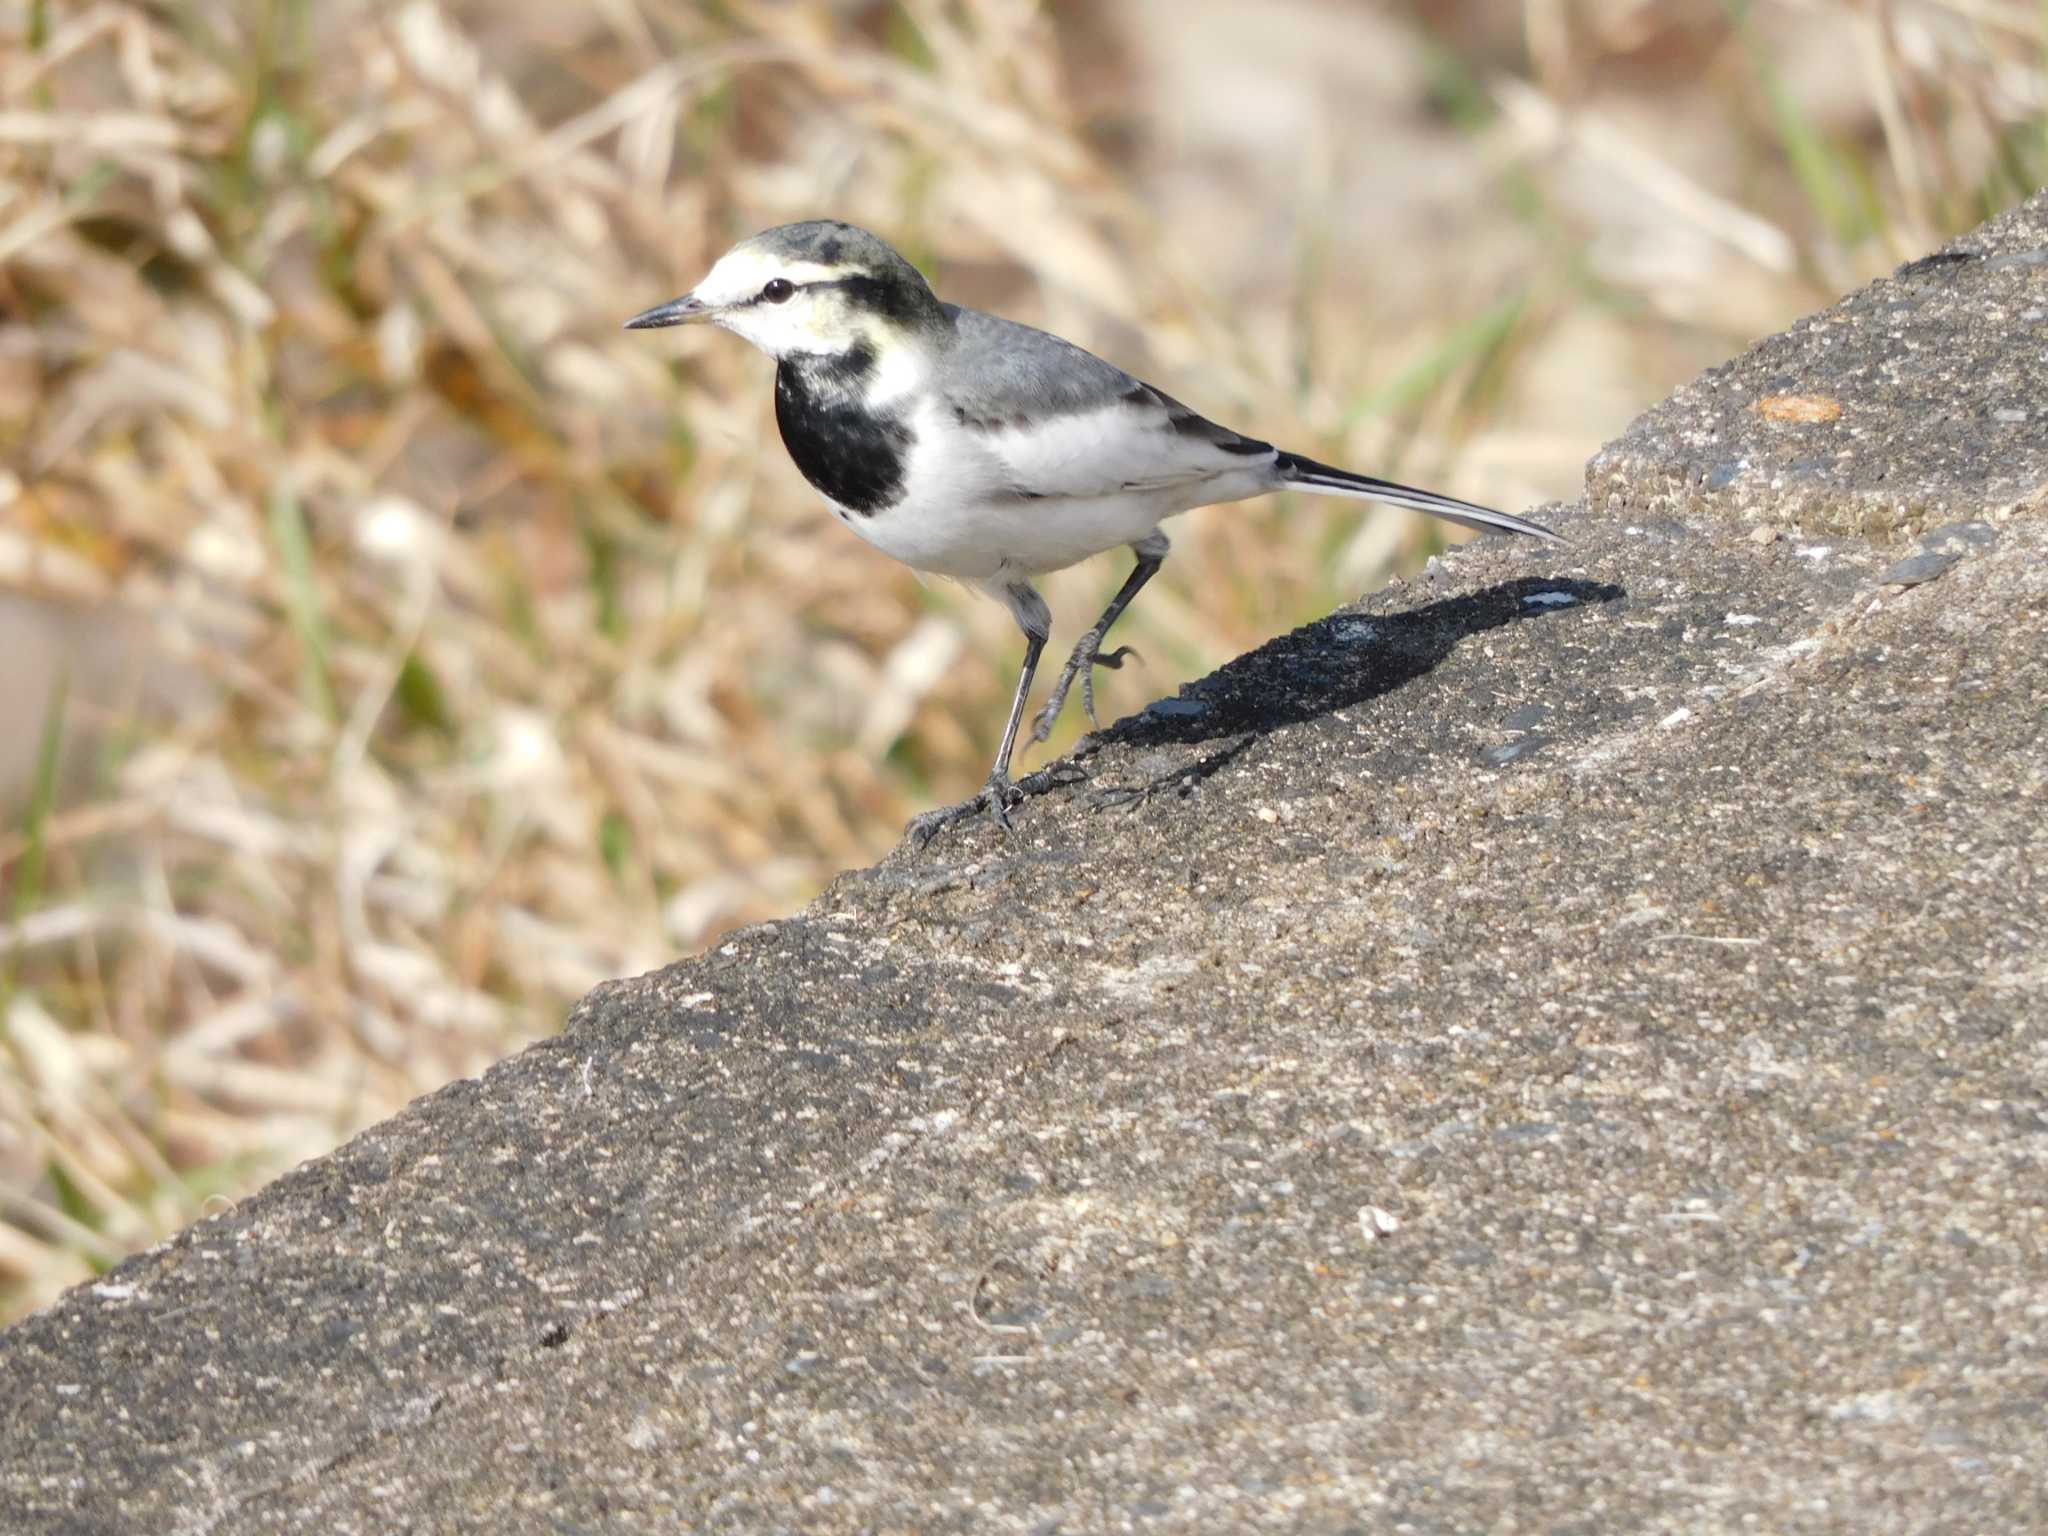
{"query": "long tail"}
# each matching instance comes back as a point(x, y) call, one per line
point(1311, 476)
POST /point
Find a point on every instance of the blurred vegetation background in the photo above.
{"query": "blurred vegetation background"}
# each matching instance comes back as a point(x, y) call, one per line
point(390, 648)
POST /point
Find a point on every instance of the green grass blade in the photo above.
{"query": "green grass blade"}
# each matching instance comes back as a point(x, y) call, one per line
point(1473, 342)
point(302, 602)
point(42, 801)
point(1827, 177)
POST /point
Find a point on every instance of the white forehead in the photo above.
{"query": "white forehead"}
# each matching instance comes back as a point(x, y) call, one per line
point(741, 272)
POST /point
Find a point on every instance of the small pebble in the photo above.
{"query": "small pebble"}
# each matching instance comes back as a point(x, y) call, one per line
point(1508, 752)
point(1918, 570)
point(1375, 1223)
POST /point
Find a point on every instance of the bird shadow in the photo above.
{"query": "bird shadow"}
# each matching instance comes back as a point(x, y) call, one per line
point(1320, 668)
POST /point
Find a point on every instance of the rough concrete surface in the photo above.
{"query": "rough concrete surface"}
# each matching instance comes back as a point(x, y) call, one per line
point(1558, 1046)
point(1918, 401)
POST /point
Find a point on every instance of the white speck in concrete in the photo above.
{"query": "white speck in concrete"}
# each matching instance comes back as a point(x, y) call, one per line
point(1375, 1223)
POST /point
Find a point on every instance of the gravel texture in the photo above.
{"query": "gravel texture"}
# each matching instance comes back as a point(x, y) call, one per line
point(1557, 1046)
point(1919, 400)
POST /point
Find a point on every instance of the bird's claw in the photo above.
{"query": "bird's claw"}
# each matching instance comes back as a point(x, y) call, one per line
point(1041, 724)
point(996, 796)
point(1000, 797)
point(1081, 664)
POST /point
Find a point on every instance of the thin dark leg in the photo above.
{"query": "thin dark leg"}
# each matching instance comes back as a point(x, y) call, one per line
point(998, 789)
point(1087, 654)
point(1036, 622)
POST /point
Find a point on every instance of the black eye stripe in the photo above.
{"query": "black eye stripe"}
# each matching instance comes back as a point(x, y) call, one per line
point(861, 282)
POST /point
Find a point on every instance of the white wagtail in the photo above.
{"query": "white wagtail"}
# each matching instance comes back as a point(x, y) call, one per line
point(974, 447)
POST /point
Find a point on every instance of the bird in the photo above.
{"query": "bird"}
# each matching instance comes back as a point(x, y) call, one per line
point(978, 448)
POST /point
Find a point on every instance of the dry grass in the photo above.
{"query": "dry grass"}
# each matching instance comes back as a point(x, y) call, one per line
point(398, 649)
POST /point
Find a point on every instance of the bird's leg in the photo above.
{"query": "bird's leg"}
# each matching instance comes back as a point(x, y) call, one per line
point(1151, 553)
point(1036, 622)
point(998, 787)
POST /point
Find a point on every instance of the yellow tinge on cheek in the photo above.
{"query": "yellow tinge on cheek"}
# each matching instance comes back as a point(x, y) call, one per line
point(830, 324)
point(817, 322)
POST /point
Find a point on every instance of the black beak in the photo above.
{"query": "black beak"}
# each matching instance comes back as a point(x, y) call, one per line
point(675, 312)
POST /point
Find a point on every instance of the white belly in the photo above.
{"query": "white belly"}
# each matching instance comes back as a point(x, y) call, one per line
point(960, 517)
point(977, 541)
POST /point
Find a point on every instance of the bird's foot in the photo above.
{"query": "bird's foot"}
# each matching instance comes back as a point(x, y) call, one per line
point(1114, 660)
point(1081, 664)
point(996, 797)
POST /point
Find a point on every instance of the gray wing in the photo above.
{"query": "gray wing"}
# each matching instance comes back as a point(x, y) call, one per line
point(1062, 422)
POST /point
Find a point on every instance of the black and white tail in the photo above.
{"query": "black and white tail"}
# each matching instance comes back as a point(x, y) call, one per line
point(1311, 476)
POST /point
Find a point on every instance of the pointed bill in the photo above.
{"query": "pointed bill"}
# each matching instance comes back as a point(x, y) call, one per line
point(675, 312)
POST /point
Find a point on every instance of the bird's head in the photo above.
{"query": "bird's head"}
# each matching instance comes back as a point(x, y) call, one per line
point(820, 288)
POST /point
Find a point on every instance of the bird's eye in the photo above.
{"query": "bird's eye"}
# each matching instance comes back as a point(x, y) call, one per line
point(778, 290)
